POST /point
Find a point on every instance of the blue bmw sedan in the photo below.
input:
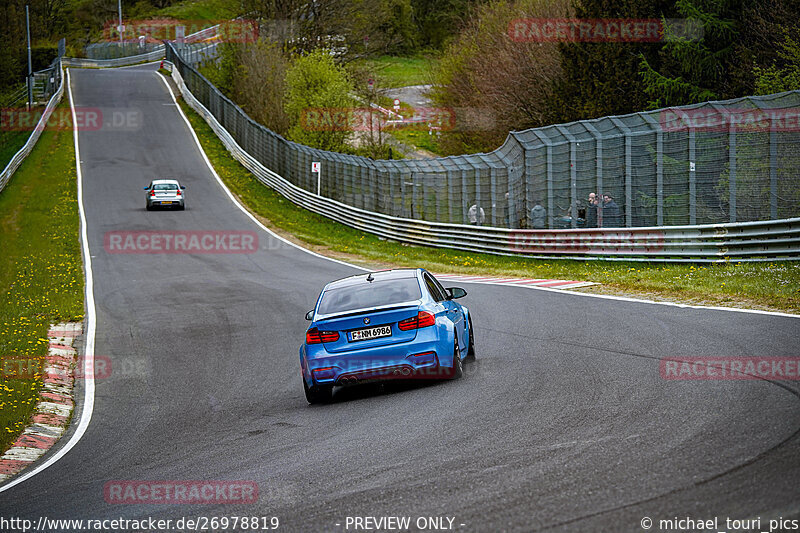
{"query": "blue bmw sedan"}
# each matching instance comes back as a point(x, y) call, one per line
point(384, 325)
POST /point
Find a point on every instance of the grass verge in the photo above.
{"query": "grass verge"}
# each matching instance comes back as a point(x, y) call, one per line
point(199, 10)
point(41, 274)
point(418, 138)
point(396, 71)
point(773, 286)
point(10, 143)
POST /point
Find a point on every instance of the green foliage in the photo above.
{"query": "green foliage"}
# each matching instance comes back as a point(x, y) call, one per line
point(315, 81)
point(222, 73)
point(601, 78)
point(692, 66)
point(438, 23)
point(493, 83)
point(775, 79)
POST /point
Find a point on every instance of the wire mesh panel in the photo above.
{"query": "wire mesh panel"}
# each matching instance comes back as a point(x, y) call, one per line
point(689, 165)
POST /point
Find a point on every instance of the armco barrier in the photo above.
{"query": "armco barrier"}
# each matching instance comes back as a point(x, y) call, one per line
point(748, 241)
point(16, 161)
point(156, 54)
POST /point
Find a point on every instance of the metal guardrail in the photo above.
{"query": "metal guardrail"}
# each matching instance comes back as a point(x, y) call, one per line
point(155, 55)
point(16, 161)
point(747, 241)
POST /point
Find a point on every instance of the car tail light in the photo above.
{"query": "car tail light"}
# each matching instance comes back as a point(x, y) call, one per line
point(179, 192)
point(153, 192)
point(422, 320)
point(314, 336)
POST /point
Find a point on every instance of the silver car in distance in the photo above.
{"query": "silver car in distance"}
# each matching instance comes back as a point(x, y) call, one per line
point(165, 193)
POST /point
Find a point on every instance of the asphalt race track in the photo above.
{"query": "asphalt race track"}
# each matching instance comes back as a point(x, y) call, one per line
point(562, 424)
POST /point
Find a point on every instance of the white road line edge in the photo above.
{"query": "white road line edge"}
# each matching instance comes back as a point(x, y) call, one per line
point(90, 322)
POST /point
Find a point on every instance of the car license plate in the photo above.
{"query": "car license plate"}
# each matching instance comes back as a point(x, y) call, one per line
point(371, 333)
point(166, 203)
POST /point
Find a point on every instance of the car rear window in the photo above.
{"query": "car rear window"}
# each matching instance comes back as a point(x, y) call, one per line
point(165, 186)
point(377, 293)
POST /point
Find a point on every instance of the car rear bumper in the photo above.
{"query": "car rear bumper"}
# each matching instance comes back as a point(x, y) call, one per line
point(414, 360)
point(165, 203)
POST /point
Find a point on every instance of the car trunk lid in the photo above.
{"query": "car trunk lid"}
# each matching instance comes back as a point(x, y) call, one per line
point(354, 321)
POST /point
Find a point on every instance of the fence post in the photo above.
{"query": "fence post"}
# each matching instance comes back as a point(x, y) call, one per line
point(464, 196)
point(598, 168)
point(692, 166)
point(628, 172)
point(493, 193)
point(773, 173)
point(773, 162)
point(511, 203)
point(731, 159)
point(450, 196)
point(656, 126)
point(573, 176)
point(549, 163)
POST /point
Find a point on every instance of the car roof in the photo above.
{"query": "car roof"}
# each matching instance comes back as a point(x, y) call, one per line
point(377, 275)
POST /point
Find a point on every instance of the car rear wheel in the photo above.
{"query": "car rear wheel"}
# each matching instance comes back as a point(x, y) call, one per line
point(458, 370)
point(318, 393)
point(471, 346)
point(149, 207)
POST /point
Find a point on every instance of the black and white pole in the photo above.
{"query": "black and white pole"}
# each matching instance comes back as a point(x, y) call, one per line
point(30, 64)
point(316, 167)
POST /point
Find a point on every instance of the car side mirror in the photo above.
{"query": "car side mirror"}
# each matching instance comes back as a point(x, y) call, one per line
point(455, 293)
point(146, 188)
point(183, 186)
point(310, 315)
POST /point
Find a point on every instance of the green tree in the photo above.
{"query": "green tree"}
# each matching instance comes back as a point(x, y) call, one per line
point(694, 69)
point(316, 83)
point(492, 82)
point(601, 78)
point(775, 78)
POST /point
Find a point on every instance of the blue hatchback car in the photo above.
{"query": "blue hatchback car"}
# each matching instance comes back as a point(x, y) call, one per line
point(384, 325)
